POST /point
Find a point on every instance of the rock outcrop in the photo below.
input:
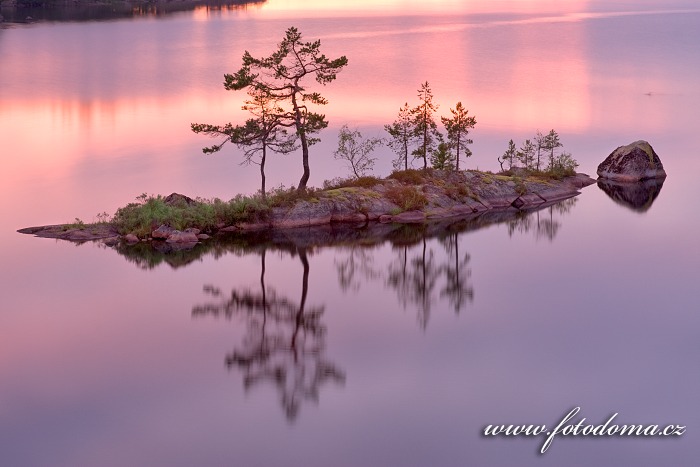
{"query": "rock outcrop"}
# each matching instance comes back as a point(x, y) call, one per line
point(437, 195)
point(632, 163)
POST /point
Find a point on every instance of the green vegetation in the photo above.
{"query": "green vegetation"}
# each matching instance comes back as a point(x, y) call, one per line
point(508, 156)
point(529, 155)
point(143, 217)
point(424, 124)
point(280, 78)
point(458, 127)
point(442, 158)
point(403, 135)
point(359, 182)
point(76, 224)
point(264, 131)
point(417, 128)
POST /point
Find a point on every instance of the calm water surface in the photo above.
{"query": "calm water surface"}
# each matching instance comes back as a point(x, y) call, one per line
point(394, 351)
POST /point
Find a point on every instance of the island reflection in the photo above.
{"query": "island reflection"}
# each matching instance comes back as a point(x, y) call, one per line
point(284, 344)
point(542, 222)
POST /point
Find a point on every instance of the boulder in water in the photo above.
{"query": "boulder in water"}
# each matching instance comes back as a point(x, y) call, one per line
point(632, 163)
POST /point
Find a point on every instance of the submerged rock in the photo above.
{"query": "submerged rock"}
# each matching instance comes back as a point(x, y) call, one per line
point(632, 163)
point(637, 196)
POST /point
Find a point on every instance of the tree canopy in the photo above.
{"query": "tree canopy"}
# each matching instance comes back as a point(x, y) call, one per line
point(403, 136)
point(282, 77)
point(458, 127)
point(262, 132)
point(424, 123)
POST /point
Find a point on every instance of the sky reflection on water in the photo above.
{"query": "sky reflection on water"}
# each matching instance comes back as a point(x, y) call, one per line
point(103, 363)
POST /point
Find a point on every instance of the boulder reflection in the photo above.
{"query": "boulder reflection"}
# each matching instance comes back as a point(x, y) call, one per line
point(637, 196)
point(284, 343)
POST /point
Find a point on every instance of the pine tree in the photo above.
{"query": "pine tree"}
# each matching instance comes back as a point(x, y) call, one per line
point(508, 156)
point(424, 123)
point(264, 131)
point(442, 158)
point(552, 142)
point(526, 154)
point(540, 144)
point(403, 136)
point(281, 76)
point(458, 130)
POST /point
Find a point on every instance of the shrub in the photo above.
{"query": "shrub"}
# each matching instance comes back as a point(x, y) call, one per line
point(407, 198)
point(410, 176)
point(520, 187)
point(241, 209)
point(563, 165)
point(361, 182)
point(141, 218)
point(458, 191)
point(285, 197)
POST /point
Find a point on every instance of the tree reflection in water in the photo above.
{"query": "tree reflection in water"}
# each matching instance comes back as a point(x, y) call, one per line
point(285, 340)
point(542, 223)
point(414, 278)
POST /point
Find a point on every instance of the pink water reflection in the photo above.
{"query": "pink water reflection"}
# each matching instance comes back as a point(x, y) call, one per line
point(496, 68)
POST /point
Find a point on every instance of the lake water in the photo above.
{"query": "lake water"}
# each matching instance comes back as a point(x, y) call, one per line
point(392, 352)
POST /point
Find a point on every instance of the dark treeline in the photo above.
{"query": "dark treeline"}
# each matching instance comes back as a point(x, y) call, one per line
point(23, 11)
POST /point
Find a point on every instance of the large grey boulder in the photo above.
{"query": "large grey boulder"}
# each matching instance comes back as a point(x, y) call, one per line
point(632, 163)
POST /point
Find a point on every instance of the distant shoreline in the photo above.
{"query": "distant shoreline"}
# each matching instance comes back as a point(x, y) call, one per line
point(30, 11)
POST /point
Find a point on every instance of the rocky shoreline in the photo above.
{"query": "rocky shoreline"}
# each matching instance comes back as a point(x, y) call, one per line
point(477, 193)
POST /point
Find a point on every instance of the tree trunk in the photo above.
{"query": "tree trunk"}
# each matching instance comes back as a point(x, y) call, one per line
point(262, 170)
point(305, 162)
point(459, 136)
point(425, 142)
point(405, 159)
point(301, 131)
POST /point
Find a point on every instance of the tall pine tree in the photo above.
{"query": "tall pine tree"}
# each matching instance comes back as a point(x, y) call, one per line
point(424, 123)
point(458, 127)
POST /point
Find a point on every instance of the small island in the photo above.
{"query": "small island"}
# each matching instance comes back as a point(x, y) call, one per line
point(408, 196)
point(532, 176)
